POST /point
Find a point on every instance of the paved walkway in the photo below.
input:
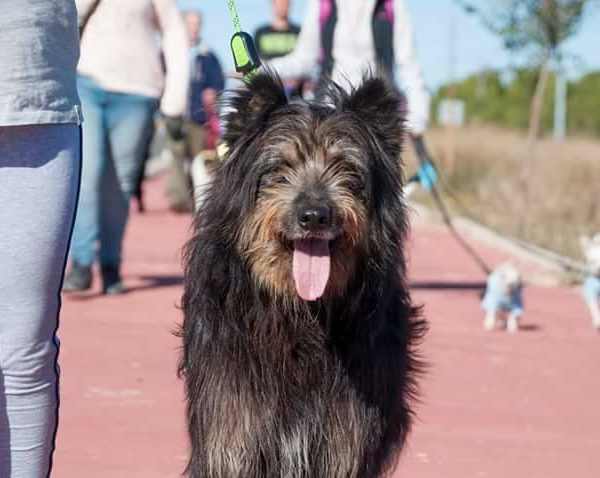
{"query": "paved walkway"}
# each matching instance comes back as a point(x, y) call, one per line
point(493, 406)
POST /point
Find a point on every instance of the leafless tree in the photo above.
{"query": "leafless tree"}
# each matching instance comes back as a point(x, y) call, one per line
point(539, 27)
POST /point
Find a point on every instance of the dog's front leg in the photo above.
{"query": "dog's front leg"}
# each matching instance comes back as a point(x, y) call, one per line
point(490, 321)
point(512, 323)
point(594, 307)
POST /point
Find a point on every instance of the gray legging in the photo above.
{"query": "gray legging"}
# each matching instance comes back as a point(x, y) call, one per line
point(39, 177)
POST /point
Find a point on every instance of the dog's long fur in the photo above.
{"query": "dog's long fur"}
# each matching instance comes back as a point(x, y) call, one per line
point(279, 387)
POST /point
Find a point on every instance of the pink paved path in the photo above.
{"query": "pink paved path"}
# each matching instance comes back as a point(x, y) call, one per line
point(494, 405)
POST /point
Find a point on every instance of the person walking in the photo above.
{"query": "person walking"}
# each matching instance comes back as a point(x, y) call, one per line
point(277, 38)
point(39, 175)
point(200, 129)
point(351, 37)
point(121, 83)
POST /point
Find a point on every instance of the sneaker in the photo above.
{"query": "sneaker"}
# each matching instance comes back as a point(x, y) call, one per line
point(111, 280)
point(78, 279)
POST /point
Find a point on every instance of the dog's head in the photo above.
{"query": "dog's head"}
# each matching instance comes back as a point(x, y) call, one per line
point(320, 184)
point(509, 278)
point(591, 252)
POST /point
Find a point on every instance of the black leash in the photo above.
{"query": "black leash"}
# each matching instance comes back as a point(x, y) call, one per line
point(567, 264)
point(424, 159)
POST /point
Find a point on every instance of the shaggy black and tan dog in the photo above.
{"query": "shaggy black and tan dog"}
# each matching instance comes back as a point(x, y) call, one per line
point(299, 329)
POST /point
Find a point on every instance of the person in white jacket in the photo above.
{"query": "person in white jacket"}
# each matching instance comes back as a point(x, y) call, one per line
point(121, 82)
point(351, 37)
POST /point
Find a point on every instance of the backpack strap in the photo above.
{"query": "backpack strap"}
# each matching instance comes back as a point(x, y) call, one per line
point(383, 35)
point(388, 6)
point(327, 20)
point(325, 10)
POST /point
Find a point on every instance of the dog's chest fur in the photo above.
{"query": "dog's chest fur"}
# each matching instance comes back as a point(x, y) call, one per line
point(282, 398)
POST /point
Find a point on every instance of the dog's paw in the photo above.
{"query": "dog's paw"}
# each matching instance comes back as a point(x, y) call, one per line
point(512, 325)
point(489, 323)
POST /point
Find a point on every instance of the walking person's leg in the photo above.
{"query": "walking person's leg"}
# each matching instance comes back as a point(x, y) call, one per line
point(129, 122)
point(139, 187)
point(39, 175)
point(87, 223)
point(179, 186)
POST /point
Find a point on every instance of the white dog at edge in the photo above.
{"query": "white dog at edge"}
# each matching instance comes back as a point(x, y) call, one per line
point(503, 296)
point(591, 285)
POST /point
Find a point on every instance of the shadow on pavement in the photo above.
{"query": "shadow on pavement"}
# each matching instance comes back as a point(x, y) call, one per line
point(529, 328)
point(466, 286)
point(145, 282)
point(156, 282)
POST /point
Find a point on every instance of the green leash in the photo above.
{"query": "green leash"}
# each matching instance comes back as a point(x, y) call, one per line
point(244, 51)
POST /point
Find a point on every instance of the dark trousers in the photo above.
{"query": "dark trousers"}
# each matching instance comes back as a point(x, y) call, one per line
point(179, 182)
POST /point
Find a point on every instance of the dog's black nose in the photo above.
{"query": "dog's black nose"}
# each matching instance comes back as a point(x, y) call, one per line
point(314, 218)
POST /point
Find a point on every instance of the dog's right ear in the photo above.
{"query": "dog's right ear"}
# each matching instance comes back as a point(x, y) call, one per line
point(380, 108)
point(249, 108)
point(584, 242)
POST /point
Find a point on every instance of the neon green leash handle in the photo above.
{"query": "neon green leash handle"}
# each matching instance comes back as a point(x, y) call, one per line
point(245, 56)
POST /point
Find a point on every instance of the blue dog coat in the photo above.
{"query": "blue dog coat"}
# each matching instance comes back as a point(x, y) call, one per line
point(496, 300)
point(591, 288)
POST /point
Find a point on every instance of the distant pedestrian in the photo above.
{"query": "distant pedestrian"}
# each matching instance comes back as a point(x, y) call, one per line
point(350, 37)
point(121, 83)
point(199, 129)
point(39, 174)
point(278, 38)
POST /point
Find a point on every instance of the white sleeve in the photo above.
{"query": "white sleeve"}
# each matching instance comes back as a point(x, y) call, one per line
point(175, 48)
point(302, 60)
point(411, 76)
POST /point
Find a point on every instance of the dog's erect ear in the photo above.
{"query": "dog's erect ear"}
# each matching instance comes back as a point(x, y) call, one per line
point(249, 106)
point(381, 108)
point(584, 242)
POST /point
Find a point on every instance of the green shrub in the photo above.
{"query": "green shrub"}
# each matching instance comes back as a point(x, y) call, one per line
point(488, 99)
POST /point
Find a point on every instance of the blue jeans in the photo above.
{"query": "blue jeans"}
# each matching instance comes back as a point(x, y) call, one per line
point(115, 132)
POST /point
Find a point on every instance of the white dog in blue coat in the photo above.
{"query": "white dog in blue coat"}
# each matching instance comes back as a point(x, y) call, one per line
point(503, 296)
point(591, 285)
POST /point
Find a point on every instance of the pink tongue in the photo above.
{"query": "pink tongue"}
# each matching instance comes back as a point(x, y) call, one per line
point(311, 267)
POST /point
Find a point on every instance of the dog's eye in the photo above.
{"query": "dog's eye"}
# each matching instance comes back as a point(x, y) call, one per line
point(357, 188)
point(273, 180)
point(279, 179)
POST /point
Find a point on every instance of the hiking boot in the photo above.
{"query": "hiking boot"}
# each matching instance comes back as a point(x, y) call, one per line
point(78, 279)
point(111, 280)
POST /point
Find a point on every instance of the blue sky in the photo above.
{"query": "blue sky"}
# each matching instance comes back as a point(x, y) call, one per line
point(475, 47)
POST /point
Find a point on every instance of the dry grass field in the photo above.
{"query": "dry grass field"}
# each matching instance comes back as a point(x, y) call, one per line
point(564, 199)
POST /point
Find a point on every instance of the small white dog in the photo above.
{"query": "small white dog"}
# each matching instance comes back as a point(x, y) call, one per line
point(503, 296)
point(202, 169)
point(591, 285)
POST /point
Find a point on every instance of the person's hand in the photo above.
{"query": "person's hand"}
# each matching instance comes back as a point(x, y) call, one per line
point(174, 125)
point(234, 75)
point(209, 100)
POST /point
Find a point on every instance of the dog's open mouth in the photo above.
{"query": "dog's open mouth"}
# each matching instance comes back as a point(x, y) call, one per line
point(311, 267)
